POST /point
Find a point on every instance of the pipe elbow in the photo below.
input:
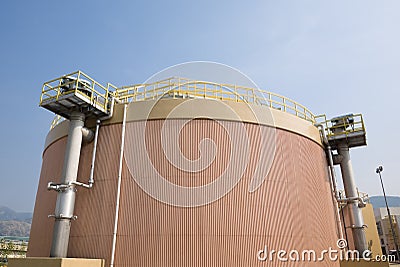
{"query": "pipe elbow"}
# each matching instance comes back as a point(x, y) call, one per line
point(322, 132)
point(337, 159)
point(87, 134)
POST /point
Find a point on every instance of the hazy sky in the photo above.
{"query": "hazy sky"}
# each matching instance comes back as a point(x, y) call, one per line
point(335, 57)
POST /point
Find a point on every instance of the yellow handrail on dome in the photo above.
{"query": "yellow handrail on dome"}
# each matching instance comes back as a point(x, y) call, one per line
point(181, 87)
point(176, 87)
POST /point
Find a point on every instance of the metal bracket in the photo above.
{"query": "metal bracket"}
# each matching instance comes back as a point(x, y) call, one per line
point(63, 187)
point(345, 201)
point(58, 187)
point(75, 217)
point(358, 227)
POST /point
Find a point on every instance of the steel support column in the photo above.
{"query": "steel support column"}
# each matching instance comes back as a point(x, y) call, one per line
point(356, 217)
point(66, 195)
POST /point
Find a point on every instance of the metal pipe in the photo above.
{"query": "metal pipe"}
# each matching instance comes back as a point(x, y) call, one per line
point(66, 196)
point(121, 155)
point(330, 159)
point(337, 159)
point(96, 135)
point(344, 225)
point(333, 183)
point(87, 135)
point(57, 187)
point(109, 116)
point(356, 217)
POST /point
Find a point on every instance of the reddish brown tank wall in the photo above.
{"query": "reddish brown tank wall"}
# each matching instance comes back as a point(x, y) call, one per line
point(292, 209)
point(91, 233)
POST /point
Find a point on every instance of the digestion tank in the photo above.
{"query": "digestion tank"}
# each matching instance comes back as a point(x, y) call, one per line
point(207, 179)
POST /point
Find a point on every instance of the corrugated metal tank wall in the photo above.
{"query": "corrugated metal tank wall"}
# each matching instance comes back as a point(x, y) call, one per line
point(292, 209)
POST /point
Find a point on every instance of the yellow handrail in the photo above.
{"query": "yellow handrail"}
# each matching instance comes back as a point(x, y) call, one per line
point(343, 126)
point(57, 119)
point(96, 93)
point(174, 87)
point(181, 87)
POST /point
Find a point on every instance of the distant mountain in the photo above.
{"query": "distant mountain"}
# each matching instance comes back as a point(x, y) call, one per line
point(14, 228)
point(379, 201)
point(14, 223)
point(7, 214)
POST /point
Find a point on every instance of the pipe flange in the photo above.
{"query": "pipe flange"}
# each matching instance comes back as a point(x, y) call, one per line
point(358, 227)
point(61, 217)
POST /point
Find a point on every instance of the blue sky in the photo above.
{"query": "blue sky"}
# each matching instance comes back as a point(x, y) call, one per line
point(335, 57)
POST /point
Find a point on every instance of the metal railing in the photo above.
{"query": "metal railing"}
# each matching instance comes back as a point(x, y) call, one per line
point(185, 88)
point(342, 126)
point(174, 87)
point(57, 120)
point(80, 84)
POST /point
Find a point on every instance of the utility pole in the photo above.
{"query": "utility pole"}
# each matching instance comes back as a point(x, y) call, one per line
point(378, 171)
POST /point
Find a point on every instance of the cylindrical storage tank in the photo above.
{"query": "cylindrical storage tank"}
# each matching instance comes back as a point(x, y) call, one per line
point(205, 182)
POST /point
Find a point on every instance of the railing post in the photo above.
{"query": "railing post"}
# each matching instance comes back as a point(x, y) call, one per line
point(270, 100)
point(58, 91)
point(284, 104)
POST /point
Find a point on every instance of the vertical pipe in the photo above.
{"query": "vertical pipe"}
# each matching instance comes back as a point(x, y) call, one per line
point(356, 217)
point(332, 174)
point(121, 155)
point(66, 196)
point(96, 135)
point(344, 224)
point(335, 193)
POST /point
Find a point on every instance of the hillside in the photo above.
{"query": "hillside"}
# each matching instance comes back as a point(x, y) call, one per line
point(14, 223)
point(14, 228)
point(379, 201)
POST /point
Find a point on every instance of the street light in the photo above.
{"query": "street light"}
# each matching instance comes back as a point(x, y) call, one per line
point(378, 171)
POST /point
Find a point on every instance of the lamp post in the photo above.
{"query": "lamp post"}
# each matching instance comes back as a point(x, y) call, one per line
point(378, 171)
